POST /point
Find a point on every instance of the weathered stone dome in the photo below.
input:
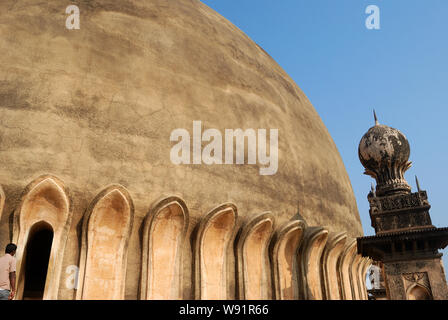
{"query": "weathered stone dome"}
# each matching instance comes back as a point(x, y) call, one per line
point(384, 152)
point(95, 107)
point(381, 146)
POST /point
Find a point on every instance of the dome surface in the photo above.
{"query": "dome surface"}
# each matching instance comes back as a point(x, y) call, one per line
point(96, 106)
point(384, 152)
point(381, 146)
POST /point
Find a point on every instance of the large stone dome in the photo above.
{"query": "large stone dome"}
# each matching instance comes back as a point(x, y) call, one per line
point(96, 106)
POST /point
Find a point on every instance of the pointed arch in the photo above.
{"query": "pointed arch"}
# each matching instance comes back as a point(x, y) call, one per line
point(286, 242)
point(354, 276)
point(45, 200)
point(344, 263)
point(106, 228)
point(212, 253)
point(254, 274)
point(164, 231)
point(310, 253)
point(418, 292)
point(365, 264)
point(366, 268)
point(333, 250)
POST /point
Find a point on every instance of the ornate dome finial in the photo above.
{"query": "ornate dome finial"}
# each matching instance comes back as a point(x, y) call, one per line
point(376, 118)
point(384, 152)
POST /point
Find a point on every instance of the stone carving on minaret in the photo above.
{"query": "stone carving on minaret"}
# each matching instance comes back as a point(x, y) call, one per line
point(406, 243)
point(384, 152)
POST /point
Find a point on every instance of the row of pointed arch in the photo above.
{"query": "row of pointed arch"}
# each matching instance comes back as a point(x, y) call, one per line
point(289, 261)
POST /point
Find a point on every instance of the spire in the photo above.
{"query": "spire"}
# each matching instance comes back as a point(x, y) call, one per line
point(376, 118)
point(418, 184)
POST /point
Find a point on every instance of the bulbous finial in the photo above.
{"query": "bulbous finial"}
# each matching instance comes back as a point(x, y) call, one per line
point(384, 152)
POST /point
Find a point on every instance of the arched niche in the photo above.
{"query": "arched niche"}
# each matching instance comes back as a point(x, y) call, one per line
point(164, 231)
point(310, 255)
point(2, 201)
point(366, 268)
point(254, 272)
point(365, 264)
point(354, 276)
point(212, 253)
point(418, 292)
point(285, 244)
point(332, 251)
point(344, 263)
point(106, 229)
point(44, 203)
point(35, 260)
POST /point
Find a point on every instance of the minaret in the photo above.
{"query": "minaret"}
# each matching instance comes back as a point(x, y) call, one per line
point(406, 243)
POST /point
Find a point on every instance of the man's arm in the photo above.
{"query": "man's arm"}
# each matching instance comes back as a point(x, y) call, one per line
point(12, 281)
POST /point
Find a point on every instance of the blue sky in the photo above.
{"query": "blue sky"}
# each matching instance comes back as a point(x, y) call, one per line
point(347, 70)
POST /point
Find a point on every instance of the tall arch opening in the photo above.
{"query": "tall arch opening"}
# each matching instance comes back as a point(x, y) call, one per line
point(45, 206)
point(254, 269)
point(285, 260)
point(211, 253)
point(314, 243)
point(343, 265)
point(333, 250)
point(37, 256)
point(106, 230)
point(164, 233)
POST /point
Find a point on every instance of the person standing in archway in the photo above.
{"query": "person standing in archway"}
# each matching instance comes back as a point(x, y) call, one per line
point(8, 273)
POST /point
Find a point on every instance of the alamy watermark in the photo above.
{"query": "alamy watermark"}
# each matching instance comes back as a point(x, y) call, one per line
point(373, 20)
point(72, 21)
point(220, 148)
point(71, 282)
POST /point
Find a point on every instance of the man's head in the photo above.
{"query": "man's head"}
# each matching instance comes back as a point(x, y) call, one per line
point(11, 249)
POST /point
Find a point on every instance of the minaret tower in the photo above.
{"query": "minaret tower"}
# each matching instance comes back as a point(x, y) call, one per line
point(406, 243)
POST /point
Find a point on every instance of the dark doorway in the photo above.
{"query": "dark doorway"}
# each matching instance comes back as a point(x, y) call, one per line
point(38, 251)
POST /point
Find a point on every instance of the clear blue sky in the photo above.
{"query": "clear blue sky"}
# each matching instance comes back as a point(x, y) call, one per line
point(347, 70)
